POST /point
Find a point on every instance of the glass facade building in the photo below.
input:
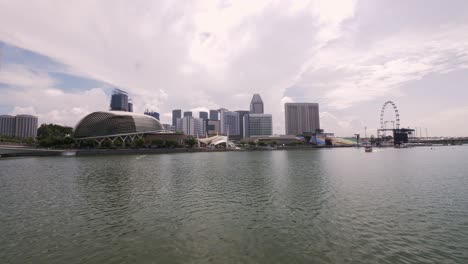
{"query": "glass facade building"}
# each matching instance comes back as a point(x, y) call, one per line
point(258, 125)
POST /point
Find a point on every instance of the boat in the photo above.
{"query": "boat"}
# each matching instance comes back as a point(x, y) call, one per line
point(69, 153)
point(368, 149)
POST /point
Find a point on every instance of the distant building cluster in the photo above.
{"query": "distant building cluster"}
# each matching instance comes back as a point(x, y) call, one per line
point(300, 118)
point(20, 126)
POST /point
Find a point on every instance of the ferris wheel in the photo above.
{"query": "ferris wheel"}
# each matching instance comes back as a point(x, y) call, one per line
point(383, 123)
point(382, 114)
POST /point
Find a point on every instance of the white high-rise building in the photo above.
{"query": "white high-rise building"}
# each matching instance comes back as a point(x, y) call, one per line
point(191, 126)
point(257, 125)
point(229, 122)
point(301, 118)
point(21, 126)
point(25, 126)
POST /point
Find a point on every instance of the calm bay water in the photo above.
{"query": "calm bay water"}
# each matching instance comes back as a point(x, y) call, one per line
point(311, 206)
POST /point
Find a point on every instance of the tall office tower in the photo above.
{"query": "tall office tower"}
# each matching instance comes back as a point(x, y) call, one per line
point(203, 115)
point(153, 114)
point(242, 114)
point(191, 126)
point(213, 127)
point(178, 127)
point(176, 114)
point(256, 105)
point(214, 115)
point(130, 106)
point(301, 118)
point(7, 125)
point(187, 113)
point(25, 126)
point(119, 100)
point(257, 125)
point(229, 122)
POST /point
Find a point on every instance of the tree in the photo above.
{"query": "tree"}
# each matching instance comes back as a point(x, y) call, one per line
point(190, 142)
point(158, 143)
point(171, 143)
point(52, 135)
point(273, 143)
point(139, 143)
point(252, 143)
point(262, 144)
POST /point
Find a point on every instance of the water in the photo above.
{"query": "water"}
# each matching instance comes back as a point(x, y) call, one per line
point(312, 206)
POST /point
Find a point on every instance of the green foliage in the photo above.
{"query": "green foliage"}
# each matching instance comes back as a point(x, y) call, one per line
point(262, 144)
point(139, 143)
point(16, 140)
point(171, 144)
point(252, 143)
point(117, 143)
point(190, 142)
point(55, 136)
point(273, 143)
point(106, 144)
point(158, 143)
point(307, 139)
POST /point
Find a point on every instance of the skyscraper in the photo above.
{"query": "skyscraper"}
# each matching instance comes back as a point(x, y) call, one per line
point(229, 122)
point(191, 126)
point(153, 114)
point(130, 106)
point(176, 114)
point(242, 114)
point(7, 125)
point(301, 118)
point(214, 115)
point(187, 113)
point(256, 125)
point(203, 115)
point(256, 105)
point(119, 100)
point(25, 126)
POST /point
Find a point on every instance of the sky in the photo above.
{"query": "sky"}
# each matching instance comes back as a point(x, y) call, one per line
point(60, 60)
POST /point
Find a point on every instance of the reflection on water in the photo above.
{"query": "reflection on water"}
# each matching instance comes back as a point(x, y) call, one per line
point(319, 206)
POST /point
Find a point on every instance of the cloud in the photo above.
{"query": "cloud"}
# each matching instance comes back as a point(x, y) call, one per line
point(345, 55)
point(34, 92)
point(17, 75)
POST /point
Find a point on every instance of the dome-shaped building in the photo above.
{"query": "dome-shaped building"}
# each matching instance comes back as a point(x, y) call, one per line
point(110, 123)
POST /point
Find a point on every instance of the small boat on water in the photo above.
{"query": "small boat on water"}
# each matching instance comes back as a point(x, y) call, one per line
point(368, 149)
point(69, 153)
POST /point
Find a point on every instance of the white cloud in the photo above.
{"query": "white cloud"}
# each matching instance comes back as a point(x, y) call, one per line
point(212, 54)
point(35, 93)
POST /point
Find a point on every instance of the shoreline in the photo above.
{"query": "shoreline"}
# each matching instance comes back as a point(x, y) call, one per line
point(145, 151)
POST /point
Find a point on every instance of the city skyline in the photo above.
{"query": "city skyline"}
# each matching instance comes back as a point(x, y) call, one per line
point(351, 60)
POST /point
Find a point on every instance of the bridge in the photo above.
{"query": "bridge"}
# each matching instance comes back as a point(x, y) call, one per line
point(441, 141)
